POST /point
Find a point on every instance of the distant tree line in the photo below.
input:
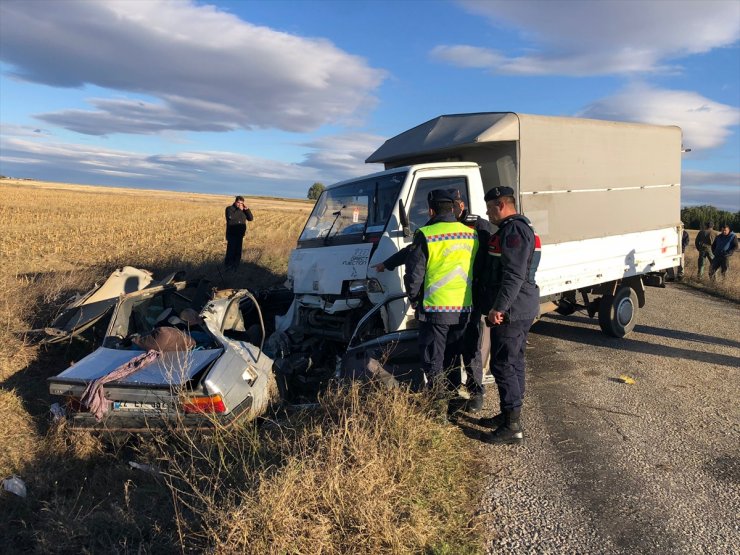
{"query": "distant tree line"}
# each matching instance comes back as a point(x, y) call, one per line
point(694, 217)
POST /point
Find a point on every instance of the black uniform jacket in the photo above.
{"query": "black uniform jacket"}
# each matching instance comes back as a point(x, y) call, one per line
point(236, 221)
point(506, 282)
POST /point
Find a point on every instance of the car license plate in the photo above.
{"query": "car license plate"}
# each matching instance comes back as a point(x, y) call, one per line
point(140, 406)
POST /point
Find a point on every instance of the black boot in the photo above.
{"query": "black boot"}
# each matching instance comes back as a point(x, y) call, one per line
point(492, 422)
point(508, 433)
point(475, 403)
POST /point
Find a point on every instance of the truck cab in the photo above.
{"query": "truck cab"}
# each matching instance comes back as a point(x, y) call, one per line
point(359, 223)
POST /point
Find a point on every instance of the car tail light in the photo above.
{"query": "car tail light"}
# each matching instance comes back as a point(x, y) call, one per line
point(204, 405)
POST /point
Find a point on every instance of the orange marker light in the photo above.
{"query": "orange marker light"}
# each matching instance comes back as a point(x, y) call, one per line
point(204, 405)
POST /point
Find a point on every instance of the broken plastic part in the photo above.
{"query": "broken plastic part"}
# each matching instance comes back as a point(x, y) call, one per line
point(15, 486)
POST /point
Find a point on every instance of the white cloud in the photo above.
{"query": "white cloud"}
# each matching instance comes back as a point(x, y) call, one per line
point(344, 155)
point(720, 189)
point(208, 69)
point(195, 171)
point(469, 56)
point(705, 123)
point(576, 37)
point(697, 178)
point(329, 159)
point(12, 129)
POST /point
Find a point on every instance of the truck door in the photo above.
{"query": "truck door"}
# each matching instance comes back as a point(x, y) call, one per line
point(418, 207)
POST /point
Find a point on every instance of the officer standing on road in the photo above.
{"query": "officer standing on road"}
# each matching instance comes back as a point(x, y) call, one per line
point(512, 301)
point(438, 280)
point(237, 216)
point(476, 339)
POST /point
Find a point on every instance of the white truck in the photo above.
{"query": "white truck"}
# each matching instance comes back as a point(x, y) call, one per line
point(604, 197)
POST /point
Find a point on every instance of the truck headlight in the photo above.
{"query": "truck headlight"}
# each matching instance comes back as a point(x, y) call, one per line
point(359, 286)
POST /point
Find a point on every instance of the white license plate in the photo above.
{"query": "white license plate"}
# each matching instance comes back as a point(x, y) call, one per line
point(139, 406)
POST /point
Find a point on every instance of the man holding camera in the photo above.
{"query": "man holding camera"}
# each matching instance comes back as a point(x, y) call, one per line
point(237, 216)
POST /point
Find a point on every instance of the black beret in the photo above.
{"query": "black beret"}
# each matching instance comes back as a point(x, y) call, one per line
point(498, 192)
point(441, 195)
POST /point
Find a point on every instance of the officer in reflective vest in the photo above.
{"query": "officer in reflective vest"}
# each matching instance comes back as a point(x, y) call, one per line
point(511, 299)
point(438, 280)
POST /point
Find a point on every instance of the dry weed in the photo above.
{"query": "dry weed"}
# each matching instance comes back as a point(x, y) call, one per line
point(367, 472)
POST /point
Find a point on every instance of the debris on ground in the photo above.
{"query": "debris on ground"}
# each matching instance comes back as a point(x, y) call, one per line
point(15, 486)
point(149, 469)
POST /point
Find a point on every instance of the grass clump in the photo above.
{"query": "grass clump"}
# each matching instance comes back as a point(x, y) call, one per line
point(368, 471)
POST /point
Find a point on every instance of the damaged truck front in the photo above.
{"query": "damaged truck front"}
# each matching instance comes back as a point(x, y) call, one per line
point(604, 197)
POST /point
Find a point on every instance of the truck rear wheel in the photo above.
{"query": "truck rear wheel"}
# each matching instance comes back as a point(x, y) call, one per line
point(618, 312)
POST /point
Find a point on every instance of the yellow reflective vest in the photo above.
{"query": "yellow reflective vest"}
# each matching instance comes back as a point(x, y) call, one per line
point(449, 272)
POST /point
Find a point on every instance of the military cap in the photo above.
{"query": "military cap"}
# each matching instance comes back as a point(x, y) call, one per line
point(441, 195)
point(498, 192)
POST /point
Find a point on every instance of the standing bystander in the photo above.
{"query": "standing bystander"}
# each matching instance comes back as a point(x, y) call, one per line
point(723, 247)
point(237, 216)
point(703, 244)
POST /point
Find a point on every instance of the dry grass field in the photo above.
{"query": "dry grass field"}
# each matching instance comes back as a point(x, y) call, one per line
point(365, 472)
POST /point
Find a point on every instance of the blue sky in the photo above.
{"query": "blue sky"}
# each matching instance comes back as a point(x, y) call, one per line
point(267, 97)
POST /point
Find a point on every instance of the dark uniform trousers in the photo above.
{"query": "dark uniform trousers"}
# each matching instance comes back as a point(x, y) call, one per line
point(476, 346)
point(441, 346)
point(508, 342)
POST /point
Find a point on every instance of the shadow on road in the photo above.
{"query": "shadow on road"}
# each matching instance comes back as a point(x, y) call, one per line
point(660, 332)
point(557, 327)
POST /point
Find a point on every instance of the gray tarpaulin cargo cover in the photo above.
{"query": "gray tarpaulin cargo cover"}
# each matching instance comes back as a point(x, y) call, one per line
point(575, 178)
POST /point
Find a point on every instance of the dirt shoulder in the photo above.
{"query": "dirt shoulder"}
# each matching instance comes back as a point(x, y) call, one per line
point(607, 467)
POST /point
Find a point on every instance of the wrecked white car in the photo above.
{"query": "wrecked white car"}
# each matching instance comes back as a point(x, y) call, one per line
point(177, 355)
point(83, 311)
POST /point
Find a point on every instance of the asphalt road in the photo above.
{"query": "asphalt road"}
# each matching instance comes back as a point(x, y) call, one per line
point(608, 467)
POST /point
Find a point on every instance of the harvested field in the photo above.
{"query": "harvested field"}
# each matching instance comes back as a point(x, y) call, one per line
point(365, 472)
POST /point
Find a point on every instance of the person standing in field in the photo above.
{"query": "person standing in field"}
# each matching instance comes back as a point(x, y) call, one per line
point(237, 216)
point(703, 244)
point(723, 247)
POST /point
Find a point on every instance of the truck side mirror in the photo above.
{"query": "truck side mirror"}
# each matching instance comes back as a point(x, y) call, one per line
point(404, 219)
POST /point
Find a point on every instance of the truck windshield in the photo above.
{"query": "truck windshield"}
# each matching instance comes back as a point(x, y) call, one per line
point(349, 212)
